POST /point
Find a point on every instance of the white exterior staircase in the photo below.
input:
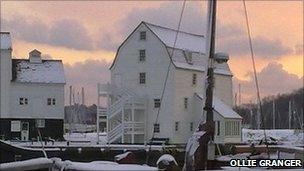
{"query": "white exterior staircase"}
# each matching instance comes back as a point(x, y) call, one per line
point(120, 124)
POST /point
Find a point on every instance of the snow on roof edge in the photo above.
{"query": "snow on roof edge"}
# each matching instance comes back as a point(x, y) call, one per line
point(222, 108)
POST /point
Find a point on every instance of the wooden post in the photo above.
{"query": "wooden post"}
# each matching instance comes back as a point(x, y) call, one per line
point(289, 115)
point(206, 142)
point(273, 114)
point(122, 122)
point(132, 119)
point(97, 114)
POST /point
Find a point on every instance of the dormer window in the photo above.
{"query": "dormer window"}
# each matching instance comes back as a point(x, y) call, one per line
point(188, 56)
point(35, 56)
point(143, 35)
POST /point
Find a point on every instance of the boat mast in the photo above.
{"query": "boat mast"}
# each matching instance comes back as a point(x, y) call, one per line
point(210, 48)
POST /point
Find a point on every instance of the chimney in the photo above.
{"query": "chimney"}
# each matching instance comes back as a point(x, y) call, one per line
point(35, 56)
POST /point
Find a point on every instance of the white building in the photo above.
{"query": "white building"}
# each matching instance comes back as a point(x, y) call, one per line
point(138, 75)
point(32, 95)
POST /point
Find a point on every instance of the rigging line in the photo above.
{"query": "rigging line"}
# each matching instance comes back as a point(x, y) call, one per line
point(40, 137)
point(255, 76)
point(167, 74)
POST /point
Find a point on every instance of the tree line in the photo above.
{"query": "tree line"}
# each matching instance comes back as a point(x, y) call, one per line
point(287, 109)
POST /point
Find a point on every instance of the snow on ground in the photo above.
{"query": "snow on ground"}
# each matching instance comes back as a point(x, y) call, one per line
point(101, 166)
point(166, 158)
point(87, 137)
point(32, 164)
point(40, 163)
point(286, 136)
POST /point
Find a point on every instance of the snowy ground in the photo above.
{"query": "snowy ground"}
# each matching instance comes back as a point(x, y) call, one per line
point(87, 137)
point(285, 136)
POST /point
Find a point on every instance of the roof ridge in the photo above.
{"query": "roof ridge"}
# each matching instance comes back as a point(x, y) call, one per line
point(52, 60)
point(147, 23)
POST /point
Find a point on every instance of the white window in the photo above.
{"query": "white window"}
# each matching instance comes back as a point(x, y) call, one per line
point(142, 78)
point(176, 126)
point(156, 103)
point(142, 55)
point(40, 123)
point(156, 128)
point(218, 127)
point(23, 101)
point(51, 101)
point(15, 126)
point(191, 126)
point(186, 103)
point(194, 79)
point(143, 35)
point(232, 128)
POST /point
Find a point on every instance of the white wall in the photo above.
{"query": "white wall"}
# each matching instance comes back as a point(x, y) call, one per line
point(223, 88)
point(128, 66)
point(6, 76)
point(125, 72)
point(184, 88)
point(37, 95)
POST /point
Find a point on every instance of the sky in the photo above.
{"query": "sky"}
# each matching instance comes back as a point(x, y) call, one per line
point(86, 34)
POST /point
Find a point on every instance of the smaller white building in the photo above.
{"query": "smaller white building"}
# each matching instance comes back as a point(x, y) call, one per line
point(227, 122)
point(32, 95)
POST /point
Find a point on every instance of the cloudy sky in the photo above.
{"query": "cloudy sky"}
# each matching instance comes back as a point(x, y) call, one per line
point(86, 34)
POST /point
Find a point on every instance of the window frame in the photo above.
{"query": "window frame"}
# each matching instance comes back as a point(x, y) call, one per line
point(142, 78)
point(142, 55)
point(194, 79)
point(157, 103)
point(191, 126)
point(49, 101)
point(218, 128)
point(40, 123)
point(176, 126)
point(23, 101)
point(186, 102)
point(143, 35)
point(156, 128)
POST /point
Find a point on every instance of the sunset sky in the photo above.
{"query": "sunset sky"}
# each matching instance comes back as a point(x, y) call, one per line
point(86, 35)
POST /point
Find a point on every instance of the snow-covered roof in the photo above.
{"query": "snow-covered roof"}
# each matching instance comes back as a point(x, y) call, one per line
point(48, 71)
point(180, 61)
point(220, 107)
point(6, 42)
point(187, 41)
point(224, 110)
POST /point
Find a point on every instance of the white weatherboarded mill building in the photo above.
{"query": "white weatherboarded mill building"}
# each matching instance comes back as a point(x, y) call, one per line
point(138, 75)
point(32, 95)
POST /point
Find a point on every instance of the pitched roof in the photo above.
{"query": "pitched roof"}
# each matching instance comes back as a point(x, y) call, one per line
point(220, 107)
point(184, 41)
point(49, 71)
point(189, 42)
point(198, 63)
point(6, 42)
